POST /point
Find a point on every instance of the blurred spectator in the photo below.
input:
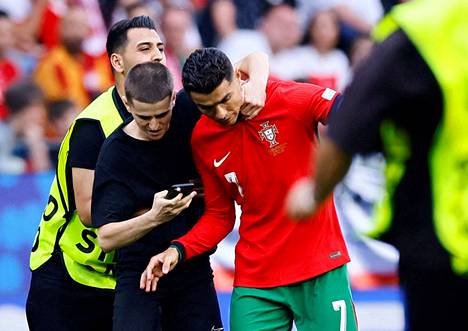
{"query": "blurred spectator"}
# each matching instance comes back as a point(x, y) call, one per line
point(48, 29)
point(176, 25)
point(95, 41)
point(280, 24)
point(319, 62)
point(250, 12)
point(142, 8)
point(9, 163)
point(9, 72)
point(356, 17)
point(66, 71)
point(49, 26)
point(361, 48)
point(224, 19)
point(60, 114)
point(248, 17)
point(27, 122)
point(123, 9)
point(26, 18)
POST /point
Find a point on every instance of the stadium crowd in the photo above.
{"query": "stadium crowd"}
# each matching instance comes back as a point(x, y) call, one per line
point(53, 60)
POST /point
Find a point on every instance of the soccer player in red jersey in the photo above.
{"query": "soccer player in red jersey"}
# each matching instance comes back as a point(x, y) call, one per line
point(285, 271)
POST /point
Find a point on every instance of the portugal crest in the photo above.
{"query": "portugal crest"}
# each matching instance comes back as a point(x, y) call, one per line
point(268, 133)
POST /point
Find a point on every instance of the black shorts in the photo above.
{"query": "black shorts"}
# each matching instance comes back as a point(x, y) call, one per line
point(188, 306)
point(57, 302)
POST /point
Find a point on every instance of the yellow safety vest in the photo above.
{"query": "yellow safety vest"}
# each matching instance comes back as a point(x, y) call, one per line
point(61, 228)
point(439, 30)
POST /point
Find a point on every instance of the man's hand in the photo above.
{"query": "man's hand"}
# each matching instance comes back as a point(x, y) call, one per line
point(158, 266)
point(300, 202)
point(254, 99)
point(163, 210)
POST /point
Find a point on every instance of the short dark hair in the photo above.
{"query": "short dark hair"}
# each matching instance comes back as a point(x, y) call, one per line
point(21, 95)
point(4, 14)
point(148, 82)
point(117, 36)
point(57, 108)
point(205, 69)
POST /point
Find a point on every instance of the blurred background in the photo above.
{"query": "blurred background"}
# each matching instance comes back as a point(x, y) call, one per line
point(53, 63)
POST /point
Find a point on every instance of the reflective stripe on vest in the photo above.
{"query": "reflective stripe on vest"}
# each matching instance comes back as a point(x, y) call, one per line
point(86, 263)
point(439, 30)
point(396, 146)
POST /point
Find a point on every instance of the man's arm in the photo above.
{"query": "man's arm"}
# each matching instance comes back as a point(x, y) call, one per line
point(204, 236)
point(355, 128)
point(83, 190)
point(305, 196)
point(85, 144)
point(115, 206)
point(122, 233)
point(255, 69)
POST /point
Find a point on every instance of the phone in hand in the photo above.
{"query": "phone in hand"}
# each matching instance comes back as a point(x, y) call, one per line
point(185, 189)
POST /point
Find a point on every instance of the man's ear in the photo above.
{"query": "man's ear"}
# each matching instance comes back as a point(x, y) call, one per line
point(241, 76)
point(125, 101)
point(173, 99)
point(117, 62)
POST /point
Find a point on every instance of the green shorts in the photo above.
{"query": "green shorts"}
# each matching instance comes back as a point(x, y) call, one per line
point(323, 303)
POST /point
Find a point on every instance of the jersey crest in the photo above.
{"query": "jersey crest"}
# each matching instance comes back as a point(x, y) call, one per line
point(268, 133)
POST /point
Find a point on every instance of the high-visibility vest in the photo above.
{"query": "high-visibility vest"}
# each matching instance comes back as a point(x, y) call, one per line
point(439, 31)
point(61, 228)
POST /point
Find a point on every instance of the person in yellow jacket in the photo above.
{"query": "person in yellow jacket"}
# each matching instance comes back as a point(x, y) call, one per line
point(73, 281)
point(410, 100)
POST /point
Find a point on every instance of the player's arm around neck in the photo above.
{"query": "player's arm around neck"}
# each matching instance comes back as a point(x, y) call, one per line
point(255, 70)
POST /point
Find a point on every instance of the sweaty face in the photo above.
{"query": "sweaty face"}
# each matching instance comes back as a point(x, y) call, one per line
point(143, 45)
point(152, 119)
point(223, 104)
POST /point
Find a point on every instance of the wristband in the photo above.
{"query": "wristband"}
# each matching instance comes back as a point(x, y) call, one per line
point(180, 249)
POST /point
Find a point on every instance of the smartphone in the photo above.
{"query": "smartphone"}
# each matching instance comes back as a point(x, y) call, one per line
point(185, 189)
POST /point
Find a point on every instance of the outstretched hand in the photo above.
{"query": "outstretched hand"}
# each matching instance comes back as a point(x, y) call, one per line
point(300, 201)
point(158, 266)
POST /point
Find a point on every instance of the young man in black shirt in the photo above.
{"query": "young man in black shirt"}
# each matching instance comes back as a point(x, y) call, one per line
point(136, 166)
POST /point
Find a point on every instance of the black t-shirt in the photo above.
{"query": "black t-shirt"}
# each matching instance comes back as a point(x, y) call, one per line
point(130, 171)
point(395, 83)
point(88, 137)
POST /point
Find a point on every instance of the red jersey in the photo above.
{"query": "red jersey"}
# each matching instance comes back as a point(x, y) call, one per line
point(254, 163)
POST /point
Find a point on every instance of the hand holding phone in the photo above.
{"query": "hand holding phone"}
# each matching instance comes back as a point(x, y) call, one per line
point(185, 189)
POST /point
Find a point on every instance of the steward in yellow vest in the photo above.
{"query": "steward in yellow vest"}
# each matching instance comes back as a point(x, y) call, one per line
point(61, 229)
point(72, 283)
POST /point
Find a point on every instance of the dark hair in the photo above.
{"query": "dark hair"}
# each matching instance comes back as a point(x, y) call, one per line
point(56, 109)
point(205, 69)
point(4, 14)
point(21, 95)
point(148, 82)
point(117, 36)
